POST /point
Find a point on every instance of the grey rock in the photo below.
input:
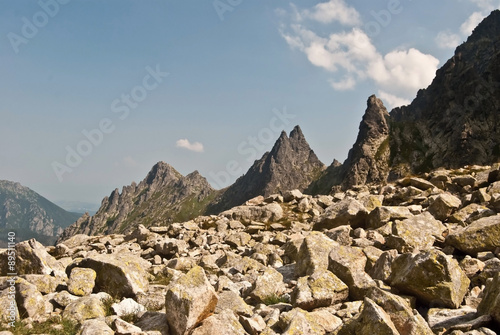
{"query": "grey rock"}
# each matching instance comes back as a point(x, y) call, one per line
point(321, 289)
point(224, 323)
point(253, 325)
point(122, 274)
point(189, 301)
point(416, 233)
point(29, 300)
point(402, 315)
point(313, 254)
point(444, 205)
point(431, 276)
point(383, 214)
point(32, 258)
point(348, 264)
point(268, 284)
point(153, 321)
point(480, 235)
point(490, 305)
point(81, 281)
point(229, 300)
point(127, 306)
point(371, 320)
point(349, 211)
point(268, 213)
point(95, 326)
point(85, 308)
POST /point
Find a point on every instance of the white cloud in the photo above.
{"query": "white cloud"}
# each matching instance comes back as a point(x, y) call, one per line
point(468, 26)
point(195, 146)
point(345, 84)
point(392, 101)
point(447, 40)
point(334, 10)
point(484, 6)
point(402, 72)
point(130, 162)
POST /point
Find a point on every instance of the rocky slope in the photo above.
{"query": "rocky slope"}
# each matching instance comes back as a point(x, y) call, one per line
point(30, 215)
point(164, 196)
point(291, 164)
point(418, 256)
point(454, 122)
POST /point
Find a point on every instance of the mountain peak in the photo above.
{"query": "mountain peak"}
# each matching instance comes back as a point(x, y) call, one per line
point(489, 28)
point(291, 164)
point(162, 173)
point(367, 160)
point(164, 195)
point(296, 134)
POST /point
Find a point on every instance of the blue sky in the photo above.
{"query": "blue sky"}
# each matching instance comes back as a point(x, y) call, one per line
point(202, 85)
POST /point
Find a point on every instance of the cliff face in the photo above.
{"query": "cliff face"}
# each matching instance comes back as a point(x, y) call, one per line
point(452, 123)
point(29, 215)
point(455, 121)
point(291, 164)
point(164, 196)
point(368, 160)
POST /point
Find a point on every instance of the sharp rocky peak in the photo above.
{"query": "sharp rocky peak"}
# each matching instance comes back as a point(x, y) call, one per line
point(291, 164)
point(162, 173)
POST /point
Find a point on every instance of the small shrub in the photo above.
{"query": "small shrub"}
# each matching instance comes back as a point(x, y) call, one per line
point(275, 299)
point(162, 279)
point(130, 318)
point(107, 305)
point(53, 326)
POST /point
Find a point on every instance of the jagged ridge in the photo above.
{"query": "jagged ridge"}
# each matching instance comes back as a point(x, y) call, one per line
point(163, 197)
point(291, 164)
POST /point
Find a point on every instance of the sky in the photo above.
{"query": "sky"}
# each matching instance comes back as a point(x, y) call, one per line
point(94, 93)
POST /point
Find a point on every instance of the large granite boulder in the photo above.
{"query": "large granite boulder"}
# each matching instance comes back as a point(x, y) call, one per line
point(433, 277)
point(371, 320)
point(88, 307)
point(480, 235)
point(122, 274)
point(313, 254)
point(349, 211)
point(33, 258)
point(81, 281)
point(415, 233)
point(402, 315)
point(490, 305)
point(348, 264)
point(189, 301)
point(321, 289)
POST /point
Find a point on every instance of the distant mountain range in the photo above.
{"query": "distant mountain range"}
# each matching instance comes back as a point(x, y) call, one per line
point(30, 215)
point(452, 123)
point(78, 206)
